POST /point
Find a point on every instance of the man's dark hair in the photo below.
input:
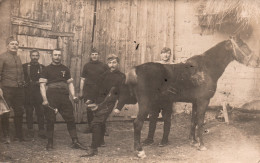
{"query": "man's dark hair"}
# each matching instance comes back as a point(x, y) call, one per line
point(10, 39)
point(34, 51)
point(165, 50)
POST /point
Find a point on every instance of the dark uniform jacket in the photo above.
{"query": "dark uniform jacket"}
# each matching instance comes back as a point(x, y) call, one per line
point(32, 73)
point(91, 72)
point(107, 81)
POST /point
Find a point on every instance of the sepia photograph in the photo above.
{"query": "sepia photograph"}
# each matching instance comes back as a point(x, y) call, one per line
point(127, 81)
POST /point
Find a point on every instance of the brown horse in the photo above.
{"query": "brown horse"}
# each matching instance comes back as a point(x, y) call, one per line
point(155, 84)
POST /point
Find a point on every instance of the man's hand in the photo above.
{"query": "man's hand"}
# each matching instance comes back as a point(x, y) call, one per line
point(1, 92)
point(76, 99)
point(116, 111)
point(45, 103)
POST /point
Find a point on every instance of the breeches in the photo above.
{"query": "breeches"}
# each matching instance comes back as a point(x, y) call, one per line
point(59, 99)
point(14, 97)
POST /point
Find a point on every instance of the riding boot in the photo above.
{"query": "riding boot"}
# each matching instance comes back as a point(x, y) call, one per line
point(77, 145)
point(49, 145)
point(92, 152)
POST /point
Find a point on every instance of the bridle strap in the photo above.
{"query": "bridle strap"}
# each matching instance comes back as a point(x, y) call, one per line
point(235, 46)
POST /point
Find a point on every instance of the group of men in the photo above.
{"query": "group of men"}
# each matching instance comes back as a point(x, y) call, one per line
point(33, 86)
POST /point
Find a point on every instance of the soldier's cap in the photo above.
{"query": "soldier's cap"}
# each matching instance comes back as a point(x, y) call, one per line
point(165, 50)
point(112, 56)
point(94, 50)
point(10, 39)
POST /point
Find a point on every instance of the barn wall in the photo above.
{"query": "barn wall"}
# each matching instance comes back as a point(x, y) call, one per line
point(5, 8)
point(239, 84)
point(135, 30)
point(49, 24)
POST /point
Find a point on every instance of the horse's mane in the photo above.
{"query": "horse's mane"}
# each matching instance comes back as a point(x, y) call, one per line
point(198, 59)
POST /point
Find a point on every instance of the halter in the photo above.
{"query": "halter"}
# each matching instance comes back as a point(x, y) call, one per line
point(235, 46)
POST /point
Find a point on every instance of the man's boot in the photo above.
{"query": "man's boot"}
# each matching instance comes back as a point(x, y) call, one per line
point(163, 143)
point(49, 145)
point(147, 141)
point(92, 152)
point(77, 145)
point(42, 134)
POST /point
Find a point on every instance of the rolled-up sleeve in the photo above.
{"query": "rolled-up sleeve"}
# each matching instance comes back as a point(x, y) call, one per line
point(44, 76)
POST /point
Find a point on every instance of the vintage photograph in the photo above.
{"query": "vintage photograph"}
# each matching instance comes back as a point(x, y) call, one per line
point(122, 81)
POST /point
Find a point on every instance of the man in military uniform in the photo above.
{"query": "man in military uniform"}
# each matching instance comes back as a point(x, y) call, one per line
point(11, 87)
point(60, 85)
point(166, 113)
point(88, 82)
point(33, 98)
point(111, 79)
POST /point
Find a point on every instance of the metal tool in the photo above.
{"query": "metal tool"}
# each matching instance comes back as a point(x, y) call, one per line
point(4, 108)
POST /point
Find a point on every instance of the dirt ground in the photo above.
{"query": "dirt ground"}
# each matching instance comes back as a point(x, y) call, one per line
point(236, 142)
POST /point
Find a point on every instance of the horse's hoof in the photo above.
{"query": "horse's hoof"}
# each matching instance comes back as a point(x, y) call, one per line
point(141, 154)
point(202, 148)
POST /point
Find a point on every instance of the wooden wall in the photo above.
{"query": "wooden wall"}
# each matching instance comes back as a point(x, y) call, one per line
point(135, 30)
point(5, 24)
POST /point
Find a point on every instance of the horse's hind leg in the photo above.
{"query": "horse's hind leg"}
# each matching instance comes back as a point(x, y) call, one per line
point(138, 125)
point(193, 124)
point(201, 110)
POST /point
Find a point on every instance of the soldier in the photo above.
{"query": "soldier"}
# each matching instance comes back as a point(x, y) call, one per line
point(166, 113)
point(33, 98)
point(111, 79)
point(12, 88)
point(88, 82)
point(60, 85)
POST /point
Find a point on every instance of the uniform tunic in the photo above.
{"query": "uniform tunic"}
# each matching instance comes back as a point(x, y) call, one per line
point(33, 98)
point(91, 72)
point(11, 82)
point(56, 78)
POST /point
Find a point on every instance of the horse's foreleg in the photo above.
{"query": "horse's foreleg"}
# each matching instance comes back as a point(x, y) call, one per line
point(193, 124)
point(201, 110)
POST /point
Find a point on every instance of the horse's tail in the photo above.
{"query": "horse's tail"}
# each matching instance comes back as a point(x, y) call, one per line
point(131, 77)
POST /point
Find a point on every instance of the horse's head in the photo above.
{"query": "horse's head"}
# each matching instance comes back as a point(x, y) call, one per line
point(242, 53)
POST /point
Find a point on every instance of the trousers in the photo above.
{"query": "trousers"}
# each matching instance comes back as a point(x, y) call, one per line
point(59, 98)
point(14, 97)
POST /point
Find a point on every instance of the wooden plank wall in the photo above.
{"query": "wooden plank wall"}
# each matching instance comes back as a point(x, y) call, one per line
point(135, 30)
point(122, 25)
point(71, 27)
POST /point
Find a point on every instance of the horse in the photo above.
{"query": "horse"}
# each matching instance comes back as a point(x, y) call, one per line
point(194, 81)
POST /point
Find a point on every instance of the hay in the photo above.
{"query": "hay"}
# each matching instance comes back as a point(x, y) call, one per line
point(217, 12)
